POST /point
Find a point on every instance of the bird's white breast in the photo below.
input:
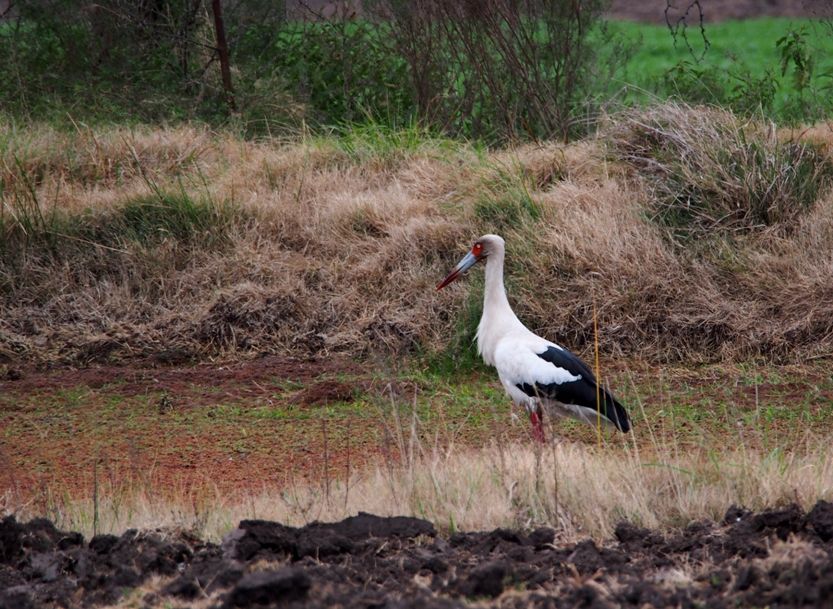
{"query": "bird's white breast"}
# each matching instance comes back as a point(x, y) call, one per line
point(517, 361)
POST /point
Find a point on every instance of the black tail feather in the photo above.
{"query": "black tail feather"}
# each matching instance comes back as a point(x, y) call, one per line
point(613, 410)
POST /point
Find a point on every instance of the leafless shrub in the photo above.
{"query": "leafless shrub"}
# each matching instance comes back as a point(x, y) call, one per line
point(497, 68)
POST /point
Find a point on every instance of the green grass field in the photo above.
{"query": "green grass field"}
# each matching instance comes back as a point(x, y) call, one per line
point(737, 50)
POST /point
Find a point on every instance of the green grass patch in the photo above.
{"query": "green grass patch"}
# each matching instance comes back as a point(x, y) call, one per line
point(460, 356)
point(177, 216)
point(505, 202)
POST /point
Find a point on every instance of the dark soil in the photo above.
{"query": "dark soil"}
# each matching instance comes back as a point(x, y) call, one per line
point(777, 558)
point(654, 11)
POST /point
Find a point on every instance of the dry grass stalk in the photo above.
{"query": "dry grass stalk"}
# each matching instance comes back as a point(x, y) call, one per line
point(709, 170)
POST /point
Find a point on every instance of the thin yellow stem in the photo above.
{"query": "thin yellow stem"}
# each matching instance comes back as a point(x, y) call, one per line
point(598, 375)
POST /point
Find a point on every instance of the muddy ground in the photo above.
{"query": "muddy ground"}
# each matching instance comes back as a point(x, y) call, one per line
point(777, 558)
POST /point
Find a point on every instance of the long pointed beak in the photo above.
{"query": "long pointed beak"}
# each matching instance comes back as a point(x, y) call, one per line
point(468, 261)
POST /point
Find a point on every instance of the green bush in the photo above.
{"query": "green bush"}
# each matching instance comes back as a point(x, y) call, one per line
point(345, 72)
point(501, 70)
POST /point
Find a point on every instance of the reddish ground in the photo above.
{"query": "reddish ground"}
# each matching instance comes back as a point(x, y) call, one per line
point(268, 422)
point(167, 427)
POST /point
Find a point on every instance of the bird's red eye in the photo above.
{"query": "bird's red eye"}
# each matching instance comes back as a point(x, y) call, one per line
point(477, 249)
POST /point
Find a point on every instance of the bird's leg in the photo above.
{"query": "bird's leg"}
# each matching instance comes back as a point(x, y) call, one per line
point(536, 417)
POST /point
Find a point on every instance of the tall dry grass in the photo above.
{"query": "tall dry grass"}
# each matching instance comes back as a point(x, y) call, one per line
point(121, 243)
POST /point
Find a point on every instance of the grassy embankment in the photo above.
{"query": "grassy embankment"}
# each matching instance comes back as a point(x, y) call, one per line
point(697, 237)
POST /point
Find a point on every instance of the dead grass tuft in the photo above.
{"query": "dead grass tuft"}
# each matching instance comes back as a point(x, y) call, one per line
point(706, 169)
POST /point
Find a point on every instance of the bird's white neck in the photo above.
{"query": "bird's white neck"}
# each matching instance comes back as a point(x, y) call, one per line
point(498, 317)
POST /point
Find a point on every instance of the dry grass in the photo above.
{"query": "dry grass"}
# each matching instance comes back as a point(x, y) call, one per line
point(334, 245)
point(577, 489)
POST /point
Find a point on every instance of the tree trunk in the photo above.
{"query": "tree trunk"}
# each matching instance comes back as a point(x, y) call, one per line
point(222, 50)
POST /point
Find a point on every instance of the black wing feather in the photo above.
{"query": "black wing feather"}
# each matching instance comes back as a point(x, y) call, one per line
point(581, 392)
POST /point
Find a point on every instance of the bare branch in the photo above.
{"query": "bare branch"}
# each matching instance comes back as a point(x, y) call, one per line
point(680, 26)
point(222, 51)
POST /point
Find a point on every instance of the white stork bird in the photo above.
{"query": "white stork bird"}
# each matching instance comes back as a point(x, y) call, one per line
point(535, 372)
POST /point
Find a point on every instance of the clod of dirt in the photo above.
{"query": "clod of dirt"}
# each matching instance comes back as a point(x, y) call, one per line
point(633, 537)
point(206, 574)
point(425, 602)
point(319, 542)
point(273, 540)
point(589, 558)
point(17, 597)
point(367, 525)
point(101, 544)
point(260, 536)
point(735, 514)
point(486, 580)
point(821, 519)
point(270, 587)
point(542, 537)
point(10, 544)
point(785, 521)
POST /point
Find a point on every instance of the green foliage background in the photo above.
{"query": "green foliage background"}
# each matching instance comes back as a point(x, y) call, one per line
point(66, 65)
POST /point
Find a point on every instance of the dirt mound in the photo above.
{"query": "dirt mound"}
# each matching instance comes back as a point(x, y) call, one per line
point(780, 557)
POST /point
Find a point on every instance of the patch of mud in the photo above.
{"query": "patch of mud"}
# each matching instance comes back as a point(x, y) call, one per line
point(778, 558)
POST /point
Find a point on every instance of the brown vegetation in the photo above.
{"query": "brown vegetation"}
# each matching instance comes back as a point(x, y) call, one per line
point(125, 243)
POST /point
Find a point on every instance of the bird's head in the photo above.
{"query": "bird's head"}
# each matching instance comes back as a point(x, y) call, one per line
point(487, 245)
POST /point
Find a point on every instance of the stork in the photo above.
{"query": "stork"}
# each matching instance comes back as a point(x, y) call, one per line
point(536, 373)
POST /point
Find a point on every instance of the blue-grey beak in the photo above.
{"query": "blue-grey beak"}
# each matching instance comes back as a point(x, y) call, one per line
point(468, 261)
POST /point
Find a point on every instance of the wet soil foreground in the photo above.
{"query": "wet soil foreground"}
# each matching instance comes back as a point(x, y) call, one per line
point(776, 558)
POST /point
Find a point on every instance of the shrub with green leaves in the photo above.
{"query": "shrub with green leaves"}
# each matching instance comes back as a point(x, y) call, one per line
point(344, 71)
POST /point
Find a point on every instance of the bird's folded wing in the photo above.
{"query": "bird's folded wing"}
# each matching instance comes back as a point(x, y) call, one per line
point(551, 372)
